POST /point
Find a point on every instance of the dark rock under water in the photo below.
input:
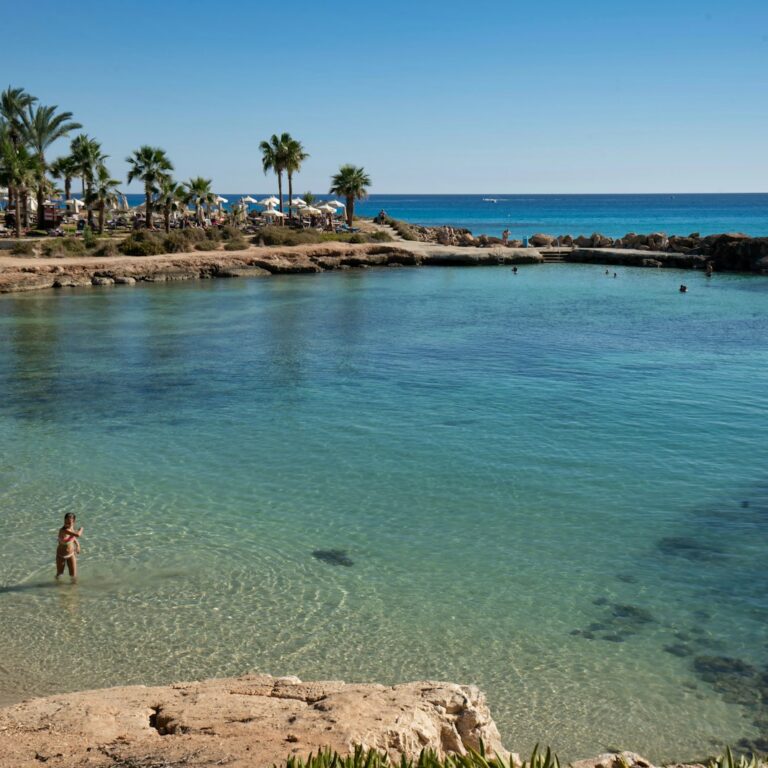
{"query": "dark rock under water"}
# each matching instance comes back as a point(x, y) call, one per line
point(334, 557)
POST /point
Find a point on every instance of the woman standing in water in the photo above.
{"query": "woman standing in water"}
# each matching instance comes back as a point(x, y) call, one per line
point(69, 547)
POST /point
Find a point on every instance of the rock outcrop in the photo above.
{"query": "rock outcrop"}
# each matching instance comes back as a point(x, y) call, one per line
point(254, 721)
point(30, 273)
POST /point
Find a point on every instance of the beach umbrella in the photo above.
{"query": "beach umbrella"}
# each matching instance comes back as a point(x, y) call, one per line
point(248, 199)
point(297, 203)
point(335, 204)
point(220, 199)
point(269, 201)
point(75, 203)
point(325, 208)
point(311, 211)
point(272, 212)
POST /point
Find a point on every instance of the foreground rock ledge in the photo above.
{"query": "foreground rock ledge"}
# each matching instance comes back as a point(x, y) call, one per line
point(254, 721)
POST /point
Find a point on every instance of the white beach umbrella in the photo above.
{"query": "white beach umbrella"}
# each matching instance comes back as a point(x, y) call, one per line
point(325, 208)
point(311, 211)
point(75, 203)
point(220, 199)
point(269, 201)
point(298, 203)
point(273, 212)
point(335, 204)
point(248, 199)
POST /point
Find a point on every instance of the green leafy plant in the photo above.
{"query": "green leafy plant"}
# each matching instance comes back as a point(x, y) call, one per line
point(22, 249)
point(89, 239)
point(727, 761)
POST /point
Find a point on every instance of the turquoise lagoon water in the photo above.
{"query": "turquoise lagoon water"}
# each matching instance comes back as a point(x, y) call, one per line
point(551, 484)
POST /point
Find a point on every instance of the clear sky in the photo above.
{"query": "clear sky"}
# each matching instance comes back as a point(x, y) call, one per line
point(480, 96)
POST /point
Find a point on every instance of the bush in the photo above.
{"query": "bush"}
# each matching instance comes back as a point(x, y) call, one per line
point(206, 246)
point(287, 236)
point(228, 232)
point(22, 249)
point(141, 243)
point(403, 228)
point(37, 233)
point(176, 242)
point(89, 239)
point(106, 248)
point(72, 246)
point(235, 245)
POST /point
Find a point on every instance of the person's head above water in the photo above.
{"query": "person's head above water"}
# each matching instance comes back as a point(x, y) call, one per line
point(69, 518)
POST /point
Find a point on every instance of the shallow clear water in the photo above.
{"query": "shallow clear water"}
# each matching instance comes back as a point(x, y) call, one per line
point(505, 459)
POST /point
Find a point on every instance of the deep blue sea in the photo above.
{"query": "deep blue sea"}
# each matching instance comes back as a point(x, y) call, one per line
point(552, 483)
point(612, 215)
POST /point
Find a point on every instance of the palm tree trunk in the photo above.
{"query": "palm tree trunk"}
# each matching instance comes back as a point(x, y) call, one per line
point(290, 194)
point(40, 211)
point(350, 209)
point(16, 210)
point(148, 205)
point(88, 193)
point(67, 188)
point(280, 189)
point(102, 205)
point(23, 193)
point(167, 219)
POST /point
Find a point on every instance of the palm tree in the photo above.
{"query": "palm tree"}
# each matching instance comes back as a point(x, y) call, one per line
point(273, 158)
point(13, 102)
point(18, 170)
point(170, 198)
point(42, 126)
point(309, 198)
point(103, 194)
point(150, 165)
point(87, 157)
point(294, 157)
point(198, 192)
point(65, 168)
point(351, 182)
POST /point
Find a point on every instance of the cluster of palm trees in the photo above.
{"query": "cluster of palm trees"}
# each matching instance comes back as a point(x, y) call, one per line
point(283, 154)
point(28, 129)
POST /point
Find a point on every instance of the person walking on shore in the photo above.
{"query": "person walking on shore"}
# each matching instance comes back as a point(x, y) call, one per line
point(68, 547)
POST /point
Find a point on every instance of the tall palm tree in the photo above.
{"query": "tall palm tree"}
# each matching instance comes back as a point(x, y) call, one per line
point(351, 182)
point(294, 157)
point(65, 168)
point(18, 170)
point(273, 158)
point(87, 157)
point(42, 126)
point(170, 198)
point(104, 193)
point(13, 102)
point(198, 192)
point(150, 165)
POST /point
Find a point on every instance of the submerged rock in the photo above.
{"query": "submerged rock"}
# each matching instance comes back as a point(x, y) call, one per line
point(334, 557)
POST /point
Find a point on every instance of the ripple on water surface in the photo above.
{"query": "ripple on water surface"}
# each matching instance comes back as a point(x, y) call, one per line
point(551, 484)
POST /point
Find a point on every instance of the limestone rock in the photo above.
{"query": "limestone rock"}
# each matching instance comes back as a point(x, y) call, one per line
point(540, 240)
point(254, 721)
point(614, 760)
point(102, 280)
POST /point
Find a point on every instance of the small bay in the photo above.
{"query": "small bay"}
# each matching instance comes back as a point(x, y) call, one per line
point(551, 484)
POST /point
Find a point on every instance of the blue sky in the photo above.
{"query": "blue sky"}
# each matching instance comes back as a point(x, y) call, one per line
point(477, 96)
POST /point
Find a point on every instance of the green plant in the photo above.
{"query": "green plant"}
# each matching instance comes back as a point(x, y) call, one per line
point(106, 248)
point(206, 246)
point(727, 761)
point(403, 228)
point(72, 246)
point(351, 182)
point(22, 249)
point(235, 245)
point(141, 244)
point(37, 233)
point(89, 239)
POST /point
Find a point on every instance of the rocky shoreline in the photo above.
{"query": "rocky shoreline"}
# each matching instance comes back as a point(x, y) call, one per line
point(26, 274)
point(23, 273)
point(255, 721)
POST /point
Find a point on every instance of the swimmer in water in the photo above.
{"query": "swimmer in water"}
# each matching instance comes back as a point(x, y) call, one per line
point(68, 547)
point(683, 288)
